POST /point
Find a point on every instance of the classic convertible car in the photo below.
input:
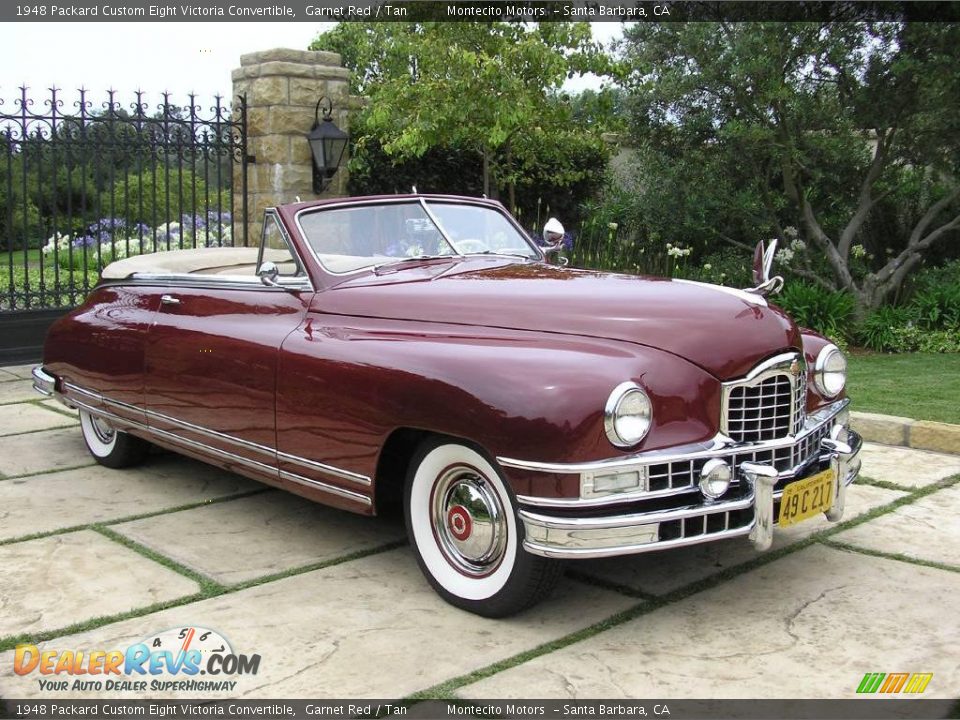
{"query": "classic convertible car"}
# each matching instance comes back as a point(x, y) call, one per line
point(420, 350)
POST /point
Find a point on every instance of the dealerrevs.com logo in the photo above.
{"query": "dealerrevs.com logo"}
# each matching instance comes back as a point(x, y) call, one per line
point(181, 659)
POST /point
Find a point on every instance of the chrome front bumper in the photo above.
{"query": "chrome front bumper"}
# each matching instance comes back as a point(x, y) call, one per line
point(751, 511)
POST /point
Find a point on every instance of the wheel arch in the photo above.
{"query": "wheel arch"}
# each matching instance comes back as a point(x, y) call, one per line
point(396, 455)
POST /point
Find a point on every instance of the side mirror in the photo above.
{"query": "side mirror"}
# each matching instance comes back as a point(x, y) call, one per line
point(268, 274)
point(553, 236)
point(762, 267)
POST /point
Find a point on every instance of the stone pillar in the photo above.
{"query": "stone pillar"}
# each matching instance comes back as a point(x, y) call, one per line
point(282, 88)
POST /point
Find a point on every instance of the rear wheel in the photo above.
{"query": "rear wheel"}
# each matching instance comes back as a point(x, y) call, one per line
point(462, 522)
point(109, 446)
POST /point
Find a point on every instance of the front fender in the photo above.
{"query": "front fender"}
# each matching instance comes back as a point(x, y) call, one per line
point(347, 383)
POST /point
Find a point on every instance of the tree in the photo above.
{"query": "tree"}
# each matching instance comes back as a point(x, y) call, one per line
point(826, 127)
point(491, 88)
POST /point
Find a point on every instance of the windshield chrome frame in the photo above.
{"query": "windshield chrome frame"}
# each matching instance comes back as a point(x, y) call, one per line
point(422, 200)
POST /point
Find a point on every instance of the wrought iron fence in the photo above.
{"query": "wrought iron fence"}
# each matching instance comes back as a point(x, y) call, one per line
point(80, 189)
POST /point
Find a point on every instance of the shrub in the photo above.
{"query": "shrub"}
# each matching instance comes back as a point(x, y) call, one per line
point(910, 338)
point(724, 267)
point(157, 195)
point(880, 329)
point(937, 307)
point(826, 311)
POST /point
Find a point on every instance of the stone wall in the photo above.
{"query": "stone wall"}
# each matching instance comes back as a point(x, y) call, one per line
point(282, 88)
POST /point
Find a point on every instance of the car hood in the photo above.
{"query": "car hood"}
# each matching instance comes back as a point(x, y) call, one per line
point(723, 330)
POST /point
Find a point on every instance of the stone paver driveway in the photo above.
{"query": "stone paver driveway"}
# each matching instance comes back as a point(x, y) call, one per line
point(92, 558)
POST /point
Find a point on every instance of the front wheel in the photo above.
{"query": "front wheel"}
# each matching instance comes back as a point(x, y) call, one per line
point(111, 447)
point(462, 523)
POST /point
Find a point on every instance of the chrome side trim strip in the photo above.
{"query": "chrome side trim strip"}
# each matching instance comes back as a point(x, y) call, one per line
point(329, 469)
point(331, 489)
point(176, 439)
point(81, 391)
point(236, 282)
point(123, 406)
point(720, 443)
point(347, 475)
point(212, 434)
point(223, 454)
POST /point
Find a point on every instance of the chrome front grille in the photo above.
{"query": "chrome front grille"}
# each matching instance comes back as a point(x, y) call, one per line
point(768, 404)
point(706, 524)
point(685, 473)
point(761, 412)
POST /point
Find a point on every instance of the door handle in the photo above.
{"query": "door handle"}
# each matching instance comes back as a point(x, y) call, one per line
point(169, 300)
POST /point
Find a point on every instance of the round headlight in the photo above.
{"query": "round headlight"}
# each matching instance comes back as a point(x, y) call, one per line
point(830, 371)
point(627, 415)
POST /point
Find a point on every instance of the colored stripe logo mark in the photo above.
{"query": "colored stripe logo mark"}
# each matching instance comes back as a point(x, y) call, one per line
point(888, 683)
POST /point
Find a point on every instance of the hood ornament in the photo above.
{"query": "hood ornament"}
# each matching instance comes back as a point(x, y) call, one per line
point(762, 266)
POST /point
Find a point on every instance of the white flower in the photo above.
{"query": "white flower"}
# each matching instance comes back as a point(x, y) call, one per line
point(707, 266)
point(858, 251)
point(57, 240)
point(612, 226)
point(790, 231)
point(785, 255)
point(798, 245)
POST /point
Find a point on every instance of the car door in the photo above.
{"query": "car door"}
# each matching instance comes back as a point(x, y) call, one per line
point(211, 356)
point(105, 341)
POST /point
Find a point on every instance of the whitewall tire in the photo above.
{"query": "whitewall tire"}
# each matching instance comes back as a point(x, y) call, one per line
point(110, 447)
point(462, 523)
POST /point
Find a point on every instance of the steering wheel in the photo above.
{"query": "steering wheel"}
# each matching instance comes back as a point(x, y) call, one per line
point(471, 245)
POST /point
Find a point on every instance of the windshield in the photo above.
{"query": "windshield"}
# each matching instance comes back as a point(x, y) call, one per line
point(347, 239)
point(476, 229)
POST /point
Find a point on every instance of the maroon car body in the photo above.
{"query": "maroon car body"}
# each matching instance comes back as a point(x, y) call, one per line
point(340, 380)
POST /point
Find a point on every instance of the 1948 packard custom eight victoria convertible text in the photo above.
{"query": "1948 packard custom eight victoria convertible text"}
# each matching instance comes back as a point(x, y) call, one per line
point(419, 349)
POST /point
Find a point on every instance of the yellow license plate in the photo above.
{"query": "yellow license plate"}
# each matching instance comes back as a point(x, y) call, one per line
point(806, 498)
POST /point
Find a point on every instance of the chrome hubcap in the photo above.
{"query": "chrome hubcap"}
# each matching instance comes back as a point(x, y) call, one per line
point(102, 430)
point(468, 521)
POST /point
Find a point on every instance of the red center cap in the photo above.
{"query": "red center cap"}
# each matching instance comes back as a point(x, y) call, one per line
point(459, 522)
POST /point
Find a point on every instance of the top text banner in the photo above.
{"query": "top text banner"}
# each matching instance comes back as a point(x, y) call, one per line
point(469, 10)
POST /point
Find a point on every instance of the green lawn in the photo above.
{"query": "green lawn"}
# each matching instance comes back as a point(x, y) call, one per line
point(33, 257)
point(915, 385)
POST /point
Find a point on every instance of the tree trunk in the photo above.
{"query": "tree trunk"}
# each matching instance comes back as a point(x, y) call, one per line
point(486, 172)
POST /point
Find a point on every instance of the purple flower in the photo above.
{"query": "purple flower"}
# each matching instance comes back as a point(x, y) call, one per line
point(85, 241)
point(107, 223)
point(193, 222)
point(216, 217)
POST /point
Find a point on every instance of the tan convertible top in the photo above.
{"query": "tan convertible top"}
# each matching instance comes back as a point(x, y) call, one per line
point(201, 261)
point(223, 261)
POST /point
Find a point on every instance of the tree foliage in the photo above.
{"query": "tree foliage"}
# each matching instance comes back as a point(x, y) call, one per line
point(486, 92)
point(846, 131)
